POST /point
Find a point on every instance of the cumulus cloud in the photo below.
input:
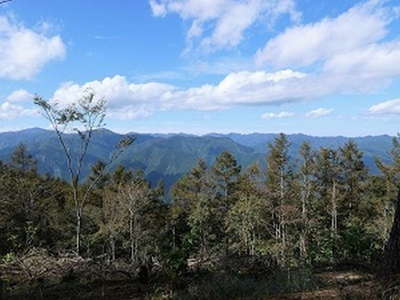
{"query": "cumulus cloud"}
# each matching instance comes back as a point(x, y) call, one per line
point(319, 112)
point(390, 107)
point(373, 61)
point(219, 24)
point(280, 115)
point(19, 96)
point(350, 53)
point(24, 52)
point(130, 100)
point(359, 26)
point(9, 111)
point(13, 106)
point(127, 100)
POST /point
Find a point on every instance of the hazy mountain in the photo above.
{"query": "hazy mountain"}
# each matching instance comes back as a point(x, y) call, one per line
point(169, 156)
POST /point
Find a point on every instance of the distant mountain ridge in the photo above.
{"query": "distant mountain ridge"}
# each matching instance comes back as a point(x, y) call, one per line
point(169, 156)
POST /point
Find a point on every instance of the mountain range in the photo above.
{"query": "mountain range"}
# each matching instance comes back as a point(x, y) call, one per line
point(169, 156)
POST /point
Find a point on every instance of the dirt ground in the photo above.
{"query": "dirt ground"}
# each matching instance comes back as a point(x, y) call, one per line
point(341, 285)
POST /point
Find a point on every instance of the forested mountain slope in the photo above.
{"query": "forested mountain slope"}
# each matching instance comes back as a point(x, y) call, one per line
point(168, 156)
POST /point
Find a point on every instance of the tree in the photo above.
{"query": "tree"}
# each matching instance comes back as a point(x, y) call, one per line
point(202, 219)
point(328, 181)
point(225, 173)
point(187, 189)
point(111, 224)
point(246, 220)
point(135, 198)
point(28, 205)
point(306, 174)
point(83, 117)
point(22, 160)
point(392, 174)
point(186, 194)
point(279, 189)
point(354, 177)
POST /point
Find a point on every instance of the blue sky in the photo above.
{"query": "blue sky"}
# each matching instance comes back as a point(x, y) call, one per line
point(198, 66)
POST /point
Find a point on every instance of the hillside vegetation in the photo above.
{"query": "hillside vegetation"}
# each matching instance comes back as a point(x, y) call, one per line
point(168, 157)
point(314, 226)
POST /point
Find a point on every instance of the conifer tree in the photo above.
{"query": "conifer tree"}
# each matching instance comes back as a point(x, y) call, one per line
point(279, 189)
point(22, 160)
point(246, 220)
point(354, 178)
point(391, 175)
point(225, 172)
point(307, 188)
point(392, 249)
point(186, 195)
point(328, 179)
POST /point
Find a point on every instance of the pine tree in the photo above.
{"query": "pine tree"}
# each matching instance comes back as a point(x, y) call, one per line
point(279, 189)
point(328, 179)
point(246, 220)
point(225, 172)
point(307, 188)
point(187, 190)
point(22, 160)
point(354, 178)
point(392, 173)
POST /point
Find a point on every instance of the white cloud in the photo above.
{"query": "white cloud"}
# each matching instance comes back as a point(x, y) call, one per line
point(280, 115)
point(304, 45)
point(319, 112)
point(9, 111)
point(19, 96)
point(219, 24)
point(128, 100)
point(158, 9)
point(12, 108)
point(125, 100)
point(390, 107)
point(24, 52)
point(376, 61)
point(349, 53)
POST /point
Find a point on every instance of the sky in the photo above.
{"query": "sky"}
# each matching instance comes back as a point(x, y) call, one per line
point(321, 68)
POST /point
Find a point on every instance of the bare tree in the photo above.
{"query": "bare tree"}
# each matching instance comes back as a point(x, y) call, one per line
point(83, 117)
point(112, 221)
point(135, 198)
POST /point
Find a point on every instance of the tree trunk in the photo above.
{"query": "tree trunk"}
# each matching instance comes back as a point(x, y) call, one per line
point(392, 249)
point(112, 242)
point(131, 238)
point(78, 230)
point(303, 235)
point(334, 220)
point(78, 212)
point(334, 211)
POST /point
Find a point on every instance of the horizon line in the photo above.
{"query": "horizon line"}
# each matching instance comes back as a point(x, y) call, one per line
point(206, 134)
